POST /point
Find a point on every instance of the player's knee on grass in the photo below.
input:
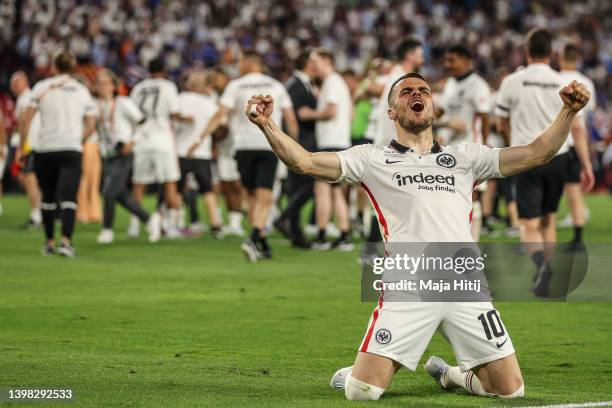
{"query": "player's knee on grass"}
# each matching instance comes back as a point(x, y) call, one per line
point(356, 390)
point(511, 388)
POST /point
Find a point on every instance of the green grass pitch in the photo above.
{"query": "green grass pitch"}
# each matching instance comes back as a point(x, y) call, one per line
point(190, 324)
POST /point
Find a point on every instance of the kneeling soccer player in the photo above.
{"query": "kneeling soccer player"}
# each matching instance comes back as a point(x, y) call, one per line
point(399, 332)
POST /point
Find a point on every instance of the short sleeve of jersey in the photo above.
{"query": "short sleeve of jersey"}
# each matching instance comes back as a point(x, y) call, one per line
point(228, 99)
point(504, 99)
point(482, 97)
point(354, 163)
point(485, 160)
point(333, 91)
point(131, 111)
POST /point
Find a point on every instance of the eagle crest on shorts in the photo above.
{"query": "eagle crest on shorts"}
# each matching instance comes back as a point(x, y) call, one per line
point(383, 336)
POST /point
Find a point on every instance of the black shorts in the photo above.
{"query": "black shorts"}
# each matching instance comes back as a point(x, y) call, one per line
point(539, 190)
point(573, 167)
point(257, 168)
point(507, 188)
point(201, 170)
point(28, 167)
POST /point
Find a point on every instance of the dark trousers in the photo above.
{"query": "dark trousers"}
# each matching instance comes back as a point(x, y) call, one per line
point(58, 174)
point(115, 177)
point(300, 190)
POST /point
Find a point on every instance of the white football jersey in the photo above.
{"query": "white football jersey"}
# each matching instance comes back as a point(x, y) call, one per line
point(462, 99)
point(117, 122)
point(63, 102)
point(334, 133)
point(22, 103)
point(421, 197)
point(201, 108)
point(246, 135)
point(530, 98)
point(157, 98)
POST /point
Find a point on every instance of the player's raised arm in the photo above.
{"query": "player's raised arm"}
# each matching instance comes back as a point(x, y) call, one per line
point(323, 165)
point(541, 150)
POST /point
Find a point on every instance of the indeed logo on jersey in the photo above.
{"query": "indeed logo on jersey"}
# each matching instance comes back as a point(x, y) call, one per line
point(427, 182)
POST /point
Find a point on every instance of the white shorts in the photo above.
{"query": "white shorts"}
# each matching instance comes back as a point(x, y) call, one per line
point(402, 331)
point(227, 168)
point(155, 167)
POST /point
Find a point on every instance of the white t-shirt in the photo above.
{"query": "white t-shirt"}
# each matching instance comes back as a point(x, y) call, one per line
point(157, 98)
point(386, 127)
point(117, 121)
point(334, 133)
point(569, 76)
point(62, 102)
point(22, 103)
point(246, 135)
point(420, 197)
point(530, 97)
point(201, 108)
point(463, 99)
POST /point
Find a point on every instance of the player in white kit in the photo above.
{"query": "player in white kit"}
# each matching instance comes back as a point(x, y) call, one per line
point(465, 102)
point(577, 215)
point(399, 332)
point(155, 156)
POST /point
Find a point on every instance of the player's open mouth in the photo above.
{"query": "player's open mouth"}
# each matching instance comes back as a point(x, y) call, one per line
point(417, 105)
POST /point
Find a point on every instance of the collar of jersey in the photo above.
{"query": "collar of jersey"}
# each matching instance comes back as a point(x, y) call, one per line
point(462, 77)
point(436, 148)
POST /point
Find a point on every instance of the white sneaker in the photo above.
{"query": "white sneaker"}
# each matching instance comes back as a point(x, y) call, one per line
point(337, 381)
point(134, 227)
point(565, 222)
point(174, 233)
point(154, 227)
point(197, 227)
point(107, 236)
point(234, 230)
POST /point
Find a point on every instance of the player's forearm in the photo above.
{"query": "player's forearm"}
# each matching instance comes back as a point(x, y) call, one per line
point(28, 115)
point(548, 143)
point(90, 126)
point(288, 150)
point(213, 124)
point(485, 125)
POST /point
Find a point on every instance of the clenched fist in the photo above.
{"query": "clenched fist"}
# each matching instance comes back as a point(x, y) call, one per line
point(259, 109)
point(575, 96)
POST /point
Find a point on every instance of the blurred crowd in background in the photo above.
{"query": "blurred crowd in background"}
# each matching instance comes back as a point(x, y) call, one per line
point(125, 35)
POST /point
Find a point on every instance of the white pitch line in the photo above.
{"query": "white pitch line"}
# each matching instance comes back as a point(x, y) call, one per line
point(582, 405)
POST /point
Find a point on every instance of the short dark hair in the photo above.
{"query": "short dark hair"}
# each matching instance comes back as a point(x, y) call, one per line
point(157, 66)
point(460, 50)
point(400, 79)
point(301, 60)
point(252, 55)
point(539, 43)
point(571, 53)
point(325, 53)
point(406, 47)
point(65, 62)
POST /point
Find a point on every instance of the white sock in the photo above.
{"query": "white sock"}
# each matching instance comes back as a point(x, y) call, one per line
point(173, 217)
point(469, 381)
point(235, 219)
point(36, 215)
point(181, 217)
point(356, 390)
